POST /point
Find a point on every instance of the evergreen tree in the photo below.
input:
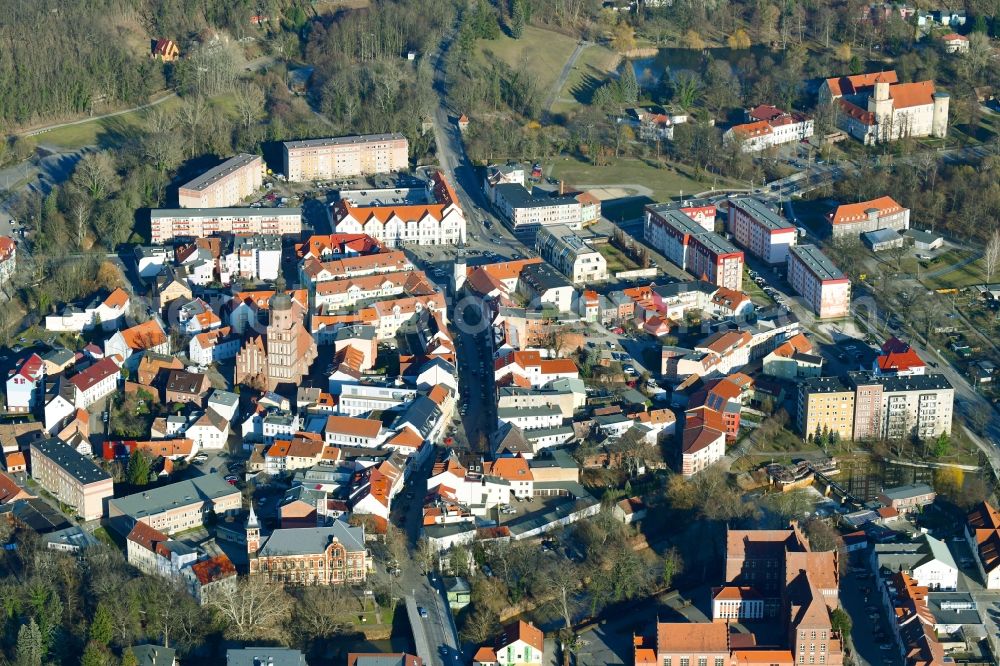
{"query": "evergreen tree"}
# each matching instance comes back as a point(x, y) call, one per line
point(129, 658)
point(101, 628)
point(628, 84)
point(29, 645)
point(138, 468)
point(94, 655)
point(517, 18)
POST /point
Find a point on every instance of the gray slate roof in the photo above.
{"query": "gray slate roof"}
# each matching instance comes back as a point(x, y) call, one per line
point(313, 540)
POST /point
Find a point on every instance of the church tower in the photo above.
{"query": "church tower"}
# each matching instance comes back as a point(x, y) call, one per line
point(253, 534)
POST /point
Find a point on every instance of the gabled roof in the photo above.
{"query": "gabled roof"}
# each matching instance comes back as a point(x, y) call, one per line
point(95, 374)
point(692, 637)
point(522, 631)
point(146, 536)
point(143, 336)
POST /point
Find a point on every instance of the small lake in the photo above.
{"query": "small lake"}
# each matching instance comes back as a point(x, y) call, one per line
point(650, 70)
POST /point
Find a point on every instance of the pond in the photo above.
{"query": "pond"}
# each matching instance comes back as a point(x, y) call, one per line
point(669, 61)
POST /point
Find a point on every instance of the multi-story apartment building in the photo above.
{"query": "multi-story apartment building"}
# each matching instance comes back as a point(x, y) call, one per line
point(571, 254)
point(334, 555)
point(345, 156)
point(858, 218)
point(251, 257)
point(70, 477)
point(225, 185)
point(864, 406)
point(825, 405)
point(441, 222)
point(524, 210)
point(175, 507)
point(167, 224)
point(815, 278)
point(899, 407)
point(685, 242)
point(762, 231)
point(358, 399)
point(700, 210)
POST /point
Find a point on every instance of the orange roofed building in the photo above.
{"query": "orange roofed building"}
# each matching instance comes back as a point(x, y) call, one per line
point(521, 643)
point(439, 223)
point(876, 108)
point(858, 218)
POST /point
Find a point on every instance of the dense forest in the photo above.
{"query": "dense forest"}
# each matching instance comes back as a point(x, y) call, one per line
point(60, 59)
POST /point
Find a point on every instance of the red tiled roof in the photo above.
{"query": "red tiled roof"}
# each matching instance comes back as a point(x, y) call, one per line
point(213, 569)
point(855, 212)
point(849, 85)
point(96, 373)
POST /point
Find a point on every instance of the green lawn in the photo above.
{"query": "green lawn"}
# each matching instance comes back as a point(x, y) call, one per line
point(113, 131)
point(591, 69)
point(634, 182)
point(617, 261)
point(544, 51)
point(962, 276)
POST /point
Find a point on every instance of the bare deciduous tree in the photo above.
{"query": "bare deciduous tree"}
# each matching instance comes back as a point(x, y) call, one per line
point(249, 103)
point(991, 255)
point(95, 173)
point(253, 608)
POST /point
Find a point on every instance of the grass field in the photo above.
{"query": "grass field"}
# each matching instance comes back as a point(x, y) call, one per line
point(591, 69)
point(963, 275)
point(638, 180)
point(544, 51)
point(106, 132)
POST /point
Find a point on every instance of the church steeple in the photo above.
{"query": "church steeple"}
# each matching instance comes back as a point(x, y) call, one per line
point(253, 533)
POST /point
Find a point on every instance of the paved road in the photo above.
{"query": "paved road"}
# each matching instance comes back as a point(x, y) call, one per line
point(567, 68)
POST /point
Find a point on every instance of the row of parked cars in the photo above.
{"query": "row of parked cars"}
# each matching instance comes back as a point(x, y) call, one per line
point(775, 295)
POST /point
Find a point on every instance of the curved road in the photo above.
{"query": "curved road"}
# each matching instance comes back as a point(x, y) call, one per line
point(42, 130)
point(567, 68)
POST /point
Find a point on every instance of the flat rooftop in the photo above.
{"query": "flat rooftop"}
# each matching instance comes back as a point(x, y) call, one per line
point(680, 222)
point(243, 213)
point(817, 262)
point(518, 197)
point(216, 174)
point(762, 213)
point(716, 243)
point(344, 140)
point(389, 196)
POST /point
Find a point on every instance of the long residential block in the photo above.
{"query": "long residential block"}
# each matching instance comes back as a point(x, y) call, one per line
point(863, 406)
point(339, 157)
point(167, 224)
point(760, 230)
point(70, 477)
point(814, 277)
point(704, 254)
point(225, 185)
point(175, 507)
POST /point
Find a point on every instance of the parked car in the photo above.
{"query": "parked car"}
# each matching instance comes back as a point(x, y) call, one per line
point(422, 612)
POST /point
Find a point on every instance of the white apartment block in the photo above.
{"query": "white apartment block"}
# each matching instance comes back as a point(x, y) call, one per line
point(763, 232)
point(256, 257)
point(524, 210)
point(341, 157)
point(167, 224)
point(571, 254)
point(815, 278)
point(440, 222)
point(358, 399)
point(767, 126)
point(225, 185)
point(685, 243)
